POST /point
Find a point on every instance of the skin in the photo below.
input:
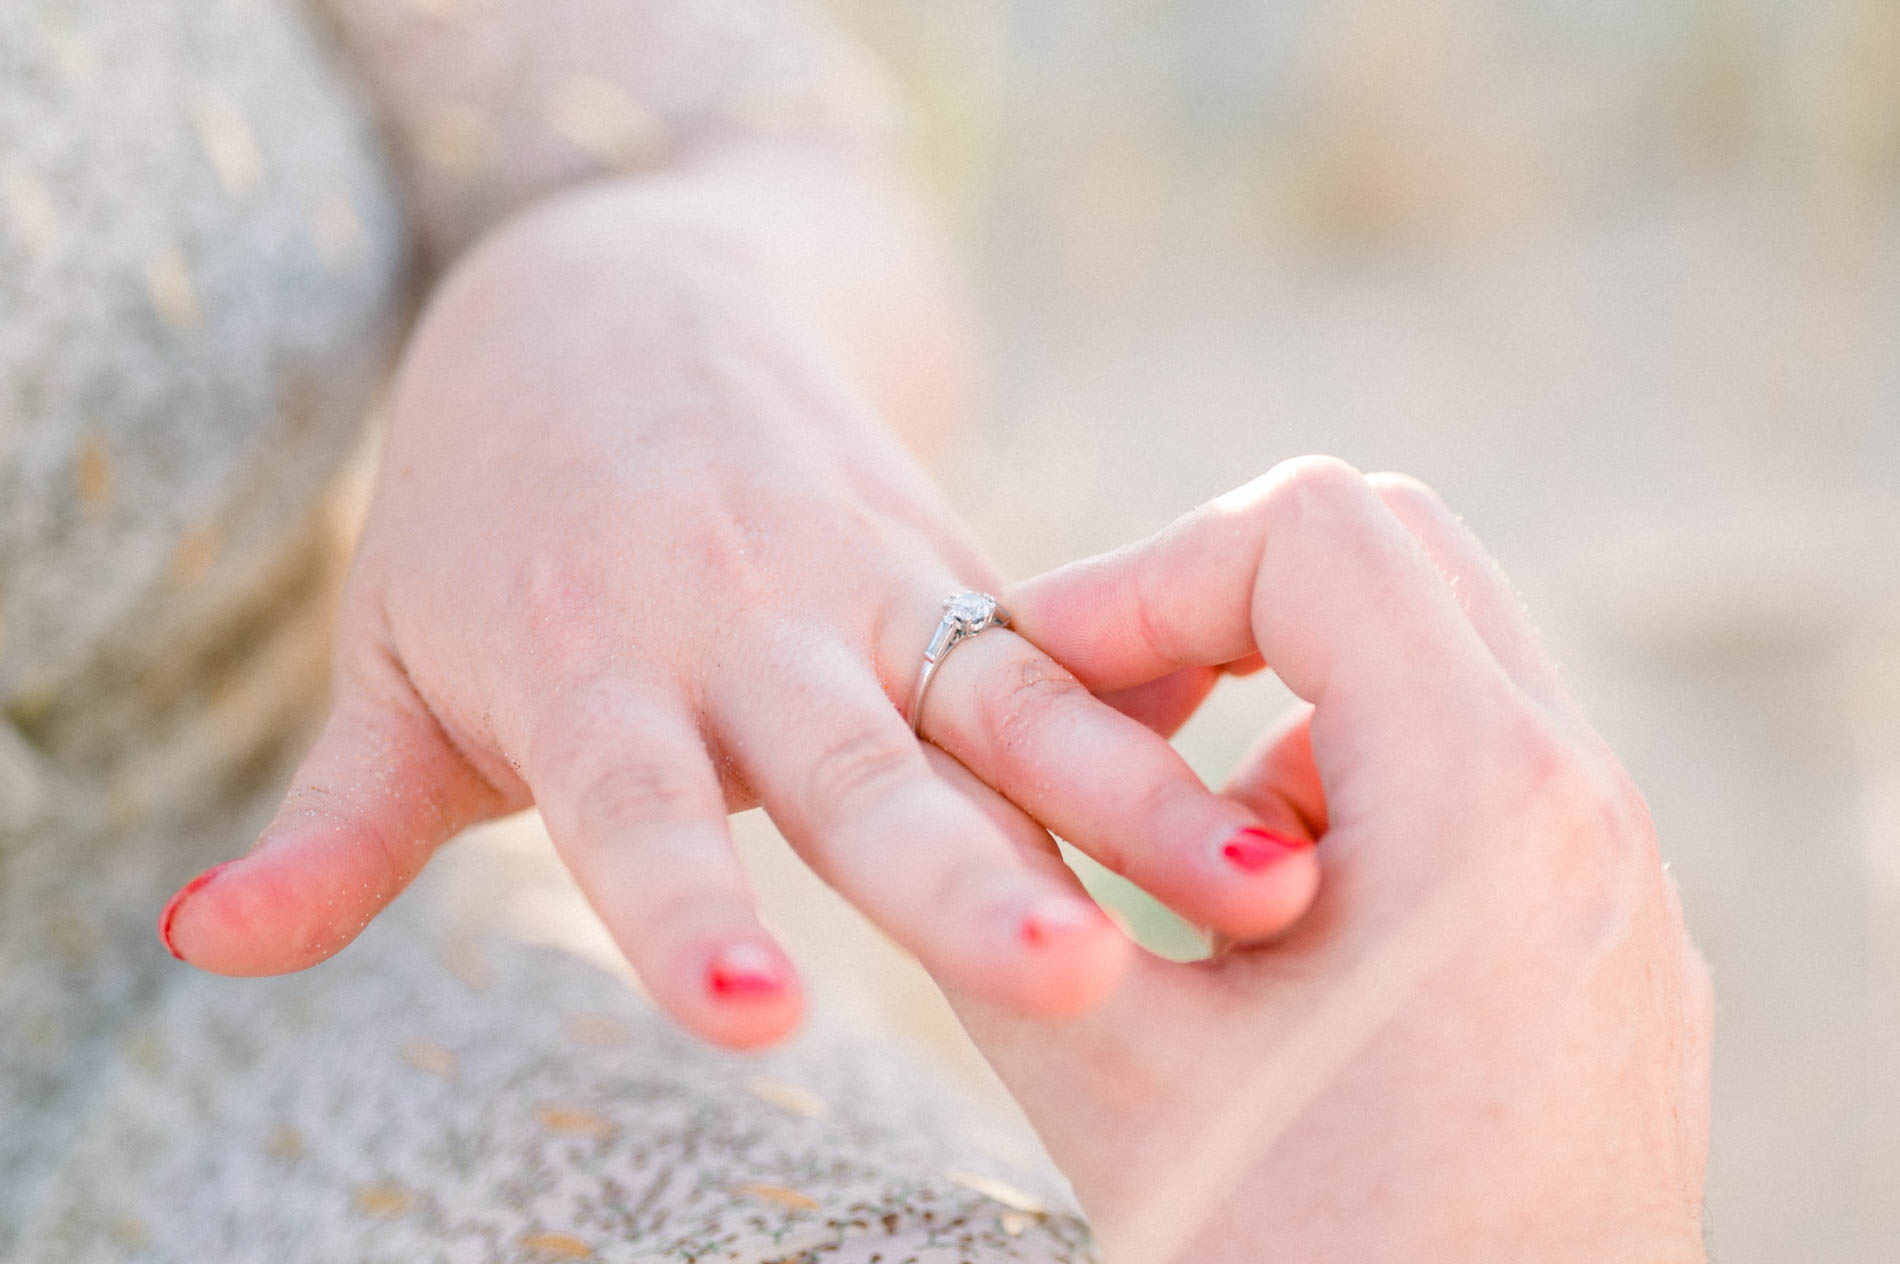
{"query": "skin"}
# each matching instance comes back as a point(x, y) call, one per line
point(641, 554)
point(1489, 1037)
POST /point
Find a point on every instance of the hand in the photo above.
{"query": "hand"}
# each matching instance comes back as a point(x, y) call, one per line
point(1489, 1037)
point(638, 557)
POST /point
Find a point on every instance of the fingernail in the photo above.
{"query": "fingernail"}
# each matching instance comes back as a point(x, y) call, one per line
point(177, 902)
point(1055, 917)
point(1253, 849)
point(745, 972)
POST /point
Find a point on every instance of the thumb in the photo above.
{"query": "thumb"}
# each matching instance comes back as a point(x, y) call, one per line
point(381, 789)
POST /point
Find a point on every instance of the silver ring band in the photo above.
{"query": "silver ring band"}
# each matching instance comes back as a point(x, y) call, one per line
point(964, 615)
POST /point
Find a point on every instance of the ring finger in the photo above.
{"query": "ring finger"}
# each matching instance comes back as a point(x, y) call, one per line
point(1113, 787)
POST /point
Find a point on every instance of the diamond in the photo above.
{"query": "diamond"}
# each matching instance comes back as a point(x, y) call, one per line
point(970, 608)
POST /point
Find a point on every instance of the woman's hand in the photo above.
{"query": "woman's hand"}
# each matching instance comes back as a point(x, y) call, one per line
point(1489, 1037)
point(640, 555)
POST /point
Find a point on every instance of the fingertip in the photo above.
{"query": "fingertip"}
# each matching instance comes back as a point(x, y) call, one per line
point(1076, 957)
point(741, 993)
point(1035, 943)
point(1272, 879)
point(1066, 958)
point(286, 906)
point(168, 917)
point(1255, 849)
point(1289, 893)
point(379, 790)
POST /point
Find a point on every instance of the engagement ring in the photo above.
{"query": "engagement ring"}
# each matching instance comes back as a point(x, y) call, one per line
point(964, 615)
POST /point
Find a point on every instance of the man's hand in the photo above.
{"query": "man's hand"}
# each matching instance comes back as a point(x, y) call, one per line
point(1488, 1040)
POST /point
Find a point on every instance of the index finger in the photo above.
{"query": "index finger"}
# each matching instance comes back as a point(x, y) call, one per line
point(1305, 565)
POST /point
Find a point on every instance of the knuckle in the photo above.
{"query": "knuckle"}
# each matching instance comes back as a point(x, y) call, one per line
point(641, 792)
point(366, 835)
point(600, 757)
point(1556, 781)
point(1577, 807)
point(1026, 697)
point(729, 553)
point(847, 769)
point(1584, 785)
point(1159, 800)
point(1410, 498)
point(1309, 482)
point(960, 885)
point(551, 588)
point(1152, 624)
point(558, 606)
point(1314, 496)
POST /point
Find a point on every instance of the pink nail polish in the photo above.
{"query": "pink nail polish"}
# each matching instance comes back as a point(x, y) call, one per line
point(745, 972)
point(1055, 917)
point(1253, 849)
point(177, 902)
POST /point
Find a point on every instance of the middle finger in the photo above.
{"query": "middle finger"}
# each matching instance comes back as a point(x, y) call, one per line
point(850, 787)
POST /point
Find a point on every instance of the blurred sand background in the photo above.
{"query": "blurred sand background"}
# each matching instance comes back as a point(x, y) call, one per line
point(1622, 280)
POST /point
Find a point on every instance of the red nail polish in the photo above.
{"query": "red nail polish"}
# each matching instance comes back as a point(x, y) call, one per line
point(745, 972)
point(177, 902)
point(1254, 849)
point(1056, 917)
